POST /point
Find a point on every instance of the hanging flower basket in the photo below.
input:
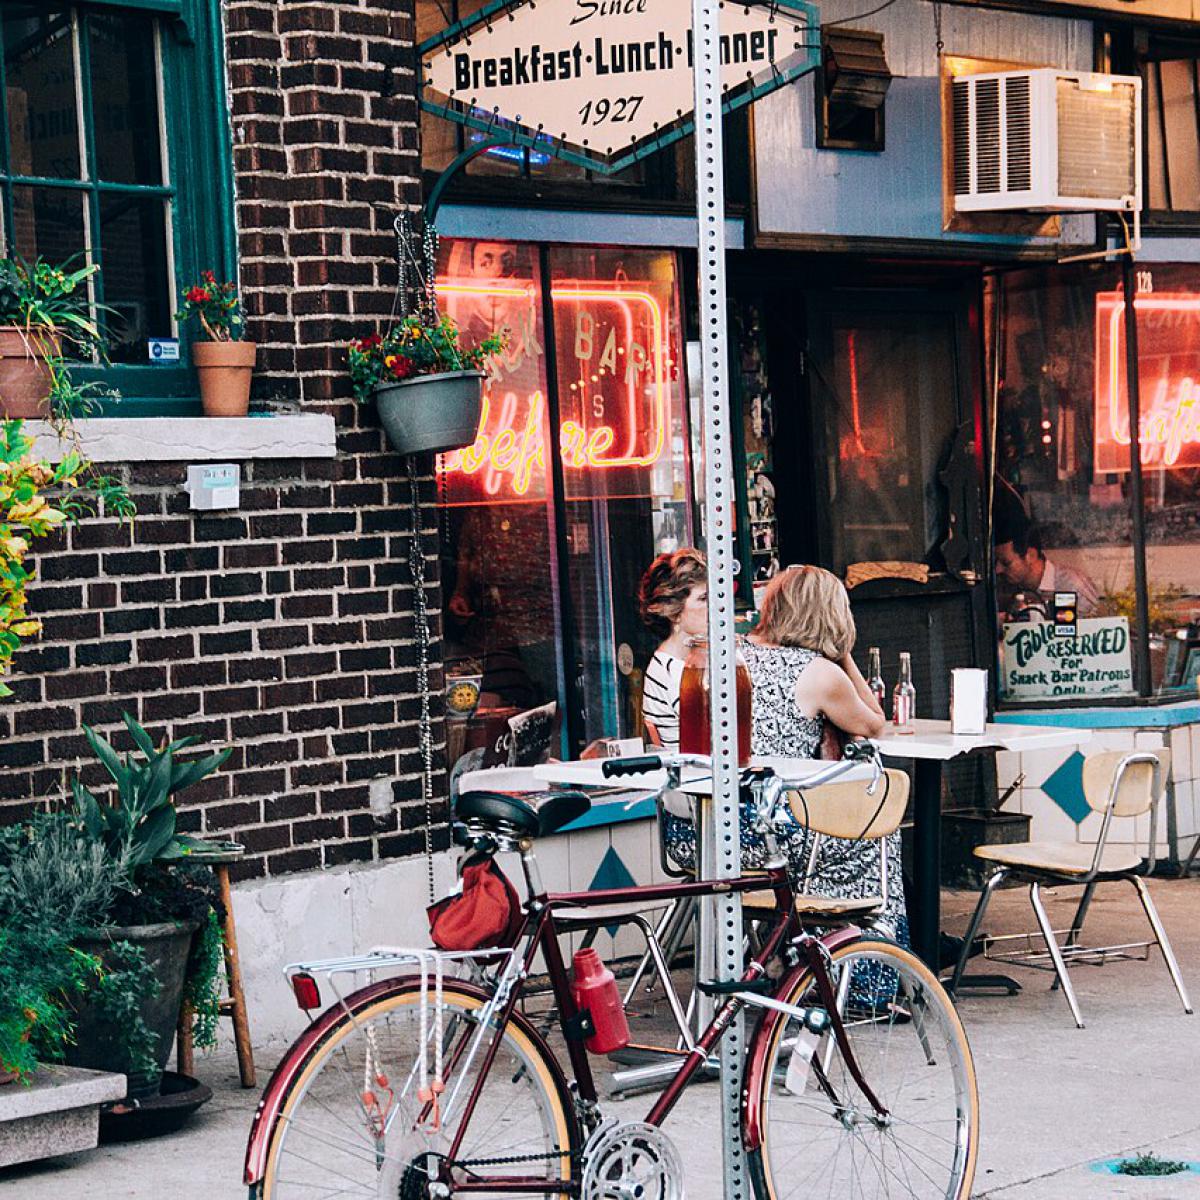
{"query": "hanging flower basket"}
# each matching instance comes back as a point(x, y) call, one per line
point(431, 412)
point(426, 384)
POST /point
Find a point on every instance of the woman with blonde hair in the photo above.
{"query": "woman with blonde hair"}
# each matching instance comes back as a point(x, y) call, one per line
point(803, 678)
point(801, 667)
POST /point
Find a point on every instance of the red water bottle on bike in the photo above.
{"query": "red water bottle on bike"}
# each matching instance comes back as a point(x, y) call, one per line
point(595, 990)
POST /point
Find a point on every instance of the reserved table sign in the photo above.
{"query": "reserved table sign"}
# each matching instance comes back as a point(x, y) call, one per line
point(1093, 661)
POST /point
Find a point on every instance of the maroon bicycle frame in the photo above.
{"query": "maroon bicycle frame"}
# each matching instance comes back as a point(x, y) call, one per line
point(540, 923)
point(540, 930)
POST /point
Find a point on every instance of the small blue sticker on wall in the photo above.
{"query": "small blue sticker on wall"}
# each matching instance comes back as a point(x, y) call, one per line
point(163, 350)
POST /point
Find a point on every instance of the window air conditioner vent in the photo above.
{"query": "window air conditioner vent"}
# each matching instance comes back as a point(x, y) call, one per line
point(1016, 119)
point(1046, 140)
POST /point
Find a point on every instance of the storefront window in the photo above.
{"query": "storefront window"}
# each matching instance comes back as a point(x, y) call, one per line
point(502, 644)
point(522, 632)
point(1061, 507)
point(623, 441)
point(1168, 311)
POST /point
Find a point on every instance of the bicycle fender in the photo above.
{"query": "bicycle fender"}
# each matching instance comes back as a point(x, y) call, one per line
point(756, 1061)
point(266, 1115)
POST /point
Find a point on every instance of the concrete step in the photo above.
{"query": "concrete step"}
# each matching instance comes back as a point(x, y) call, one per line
point(58, 1112)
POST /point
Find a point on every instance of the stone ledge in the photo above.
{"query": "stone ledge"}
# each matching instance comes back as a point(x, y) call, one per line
point(58, 1113)
point(192, 439)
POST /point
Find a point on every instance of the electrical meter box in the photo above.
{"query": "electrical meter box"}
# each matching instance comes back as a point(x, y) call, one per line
point(214, 486)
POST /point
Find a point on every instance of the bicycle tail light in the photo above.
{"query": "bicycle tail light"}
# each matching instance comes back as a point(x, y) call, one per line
point(305, 989)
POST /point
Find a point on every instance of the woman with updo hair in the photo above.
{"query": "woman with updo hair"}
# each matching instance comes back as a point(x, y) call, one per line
point(673, 600)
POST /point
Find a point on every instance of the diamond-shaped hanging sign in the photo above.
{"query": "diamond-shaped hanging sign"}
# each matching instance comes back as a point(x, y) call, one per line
point(602, 83)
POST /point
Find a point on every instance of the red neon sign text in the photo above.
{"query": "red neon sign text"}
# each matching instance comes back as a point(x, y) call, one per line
point(625, 430)
point(1169, 376)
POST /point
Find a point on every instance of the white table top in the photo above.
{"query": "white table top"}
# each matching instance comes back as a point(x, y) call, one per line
point(933, 739)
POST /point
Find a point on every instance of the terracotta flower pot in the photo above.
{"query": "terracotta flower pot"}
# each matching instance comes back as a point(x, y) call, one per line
point(225, 369)
point(24, 375)
point(431, 412)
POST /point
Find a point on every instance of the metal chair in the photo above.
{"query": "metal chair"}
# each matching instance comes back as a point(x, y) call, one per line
point(1116, 783)
point(848, 811)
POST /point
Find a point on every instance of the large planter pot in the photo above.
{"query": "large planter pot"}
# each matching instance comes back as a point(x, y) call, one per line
point(99, 1044)
point(431, 412)
point(24, 376)
point(225, 369)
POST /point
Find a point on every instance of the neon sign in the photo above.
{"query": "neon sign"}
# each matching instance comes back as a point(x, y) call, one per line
point(618, 400)
point(1169, 376)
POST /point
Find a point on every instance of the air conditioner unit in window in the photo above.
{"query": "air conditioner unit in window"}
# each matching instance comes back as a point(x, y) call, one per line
point(1047, 140)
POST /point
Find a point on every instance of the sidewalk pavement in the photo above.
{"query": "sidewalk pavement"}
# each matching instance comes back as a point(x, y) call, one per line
point(1055, 1099)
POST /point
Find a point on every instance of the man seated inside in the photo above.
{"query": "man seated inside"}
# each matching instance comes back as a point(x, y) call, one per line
point(1022, 562)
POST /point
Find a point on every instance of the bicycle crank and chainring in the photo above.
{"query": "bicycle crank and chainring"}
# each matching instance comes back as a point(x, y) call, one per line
point(631, 1161)
point(414, 1183)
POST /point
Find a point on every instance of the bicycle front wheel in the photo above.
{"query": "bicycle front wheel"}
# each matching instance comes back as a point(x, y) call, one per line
point(818, 1133)
point(353, 1122)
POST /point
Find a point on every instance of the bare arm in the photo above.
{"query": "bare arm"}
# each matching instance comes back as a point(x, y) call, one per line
point(824, 688)
point(860, 685)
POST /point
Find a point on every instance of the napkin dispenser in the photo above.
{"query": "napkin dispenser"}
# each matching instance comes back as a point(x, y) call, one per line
point(968, 700)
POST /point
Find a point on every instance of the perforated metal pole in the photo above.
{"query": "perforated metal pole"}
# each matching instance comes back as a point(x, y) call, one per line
point(721, 926)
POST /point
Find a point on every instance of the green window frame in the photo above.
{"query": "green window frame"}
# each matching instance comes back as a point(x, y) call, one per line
point(195, 184)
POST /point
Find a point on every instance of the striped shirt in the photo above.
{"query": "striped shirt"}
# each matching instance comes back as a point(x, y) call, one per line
point(660, 697)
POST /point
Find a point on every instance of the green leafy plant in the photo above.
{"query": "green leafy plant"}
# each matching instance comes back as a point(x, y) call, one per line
point(1150, 1164)
point(415, 347)
point(53, 882)
point(1163, 603)
point(140, 826)
point(35, 499)
point(216, 306)
point(51, 307)
point(202, 991)
point(40, 976)
point(75, 871)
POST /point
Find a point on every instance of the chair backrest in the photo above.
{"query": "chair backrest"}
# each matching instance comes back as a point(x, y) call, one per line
point(1135, 783)
point(848, 810)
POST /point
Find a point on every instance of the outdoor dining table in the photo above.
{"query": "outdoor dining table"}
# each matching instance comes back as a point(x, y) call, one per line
point(930, 745)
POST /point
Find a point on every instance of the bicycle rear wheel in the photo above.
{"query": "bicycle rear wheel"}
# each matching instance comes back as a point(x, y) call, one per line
point(329, 1142)
point(820, 1136)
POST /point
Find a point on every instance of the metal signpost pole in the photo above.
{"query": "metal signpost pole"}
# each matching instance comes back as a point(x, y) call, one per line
point(721, 924)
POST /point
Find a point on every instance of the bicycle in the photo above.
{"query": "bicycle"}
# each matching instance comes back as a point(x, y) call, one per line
point(428, 1085)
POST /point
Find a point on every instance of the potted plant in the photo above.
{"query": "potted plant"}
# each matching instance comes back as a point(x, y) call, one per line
point(105, 926)
point(427, 385)
point(52, 882)
point(224, 362)
point(160, 904)
point(43, 313)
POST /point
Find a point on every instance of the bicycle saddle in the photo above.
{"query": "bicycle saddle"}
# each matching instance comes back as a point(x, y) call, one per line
point(488, 808)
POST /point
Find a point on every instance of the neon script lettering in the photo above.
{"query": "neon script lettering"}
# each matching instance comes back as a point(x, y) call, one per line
point(1169, 365)
point(510, 448)
point(515, 454)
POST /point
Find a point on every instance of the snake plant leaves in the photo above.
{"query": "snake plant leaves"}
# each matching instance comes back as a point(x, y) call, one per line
point(139, 825)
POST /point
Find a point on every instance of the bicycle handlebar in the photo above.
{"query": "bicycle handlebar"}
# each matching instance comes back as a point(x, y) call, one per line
point(613, 767)
point(863, 751)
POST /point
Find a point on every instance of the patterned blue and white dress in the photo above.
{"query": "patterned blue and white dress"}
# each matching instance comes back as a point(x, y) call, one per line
point(845, 868)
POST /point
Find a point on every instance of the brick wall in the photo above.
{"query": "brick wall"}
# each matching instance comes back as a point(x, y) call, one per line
point(285, 628)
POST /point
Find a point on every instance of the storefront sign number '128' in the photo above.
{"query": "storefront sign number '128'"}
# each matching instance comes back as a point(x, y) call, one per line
point(604, 82)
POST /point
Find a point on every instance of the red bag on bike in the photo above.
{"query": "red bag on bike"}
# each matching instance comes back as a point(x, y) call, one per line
point(487, 912)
